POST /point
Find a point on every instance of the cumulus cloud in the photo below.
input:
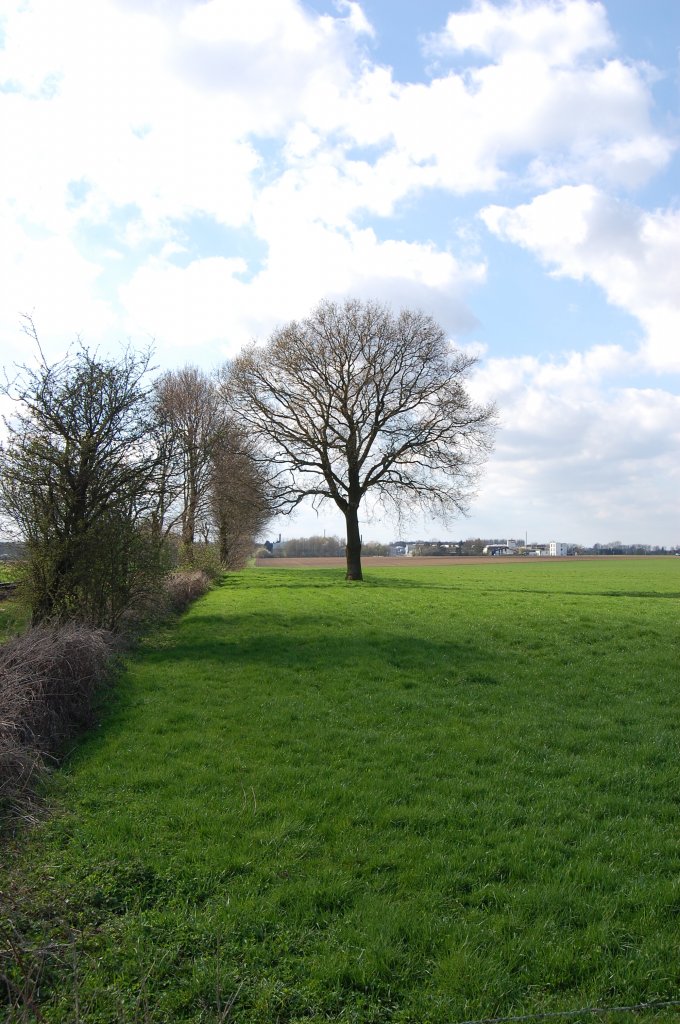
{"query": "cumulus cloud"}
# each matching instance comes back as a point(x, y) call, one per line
point(633, 255)
point(544, 86)
point(46, 276)
point(251, 115)
point(212, 301)
point(560, 29)
point(274, 60)
point(576, 457)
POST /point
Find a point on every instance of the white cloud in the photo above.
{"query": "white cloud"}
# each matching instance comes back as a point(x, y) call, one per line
point(560, 29)
point(274, 60)
point(633, 255)
point(46, 277)
point(543, 88)
point(577, 459)
point(209, 302)
point(247, 114)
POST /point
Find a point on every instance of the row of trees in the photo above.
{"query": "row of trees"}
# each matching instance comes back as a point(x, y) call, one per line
point(104, 472)
point(353, 405)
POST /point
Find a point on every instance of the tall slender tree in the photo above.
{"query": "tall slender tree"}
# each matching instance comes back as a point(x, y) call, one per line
point(240, 496)
point(189, 404)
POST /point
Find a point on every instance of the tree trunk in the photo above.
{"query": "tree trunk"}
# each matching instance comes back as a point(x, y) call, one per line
point(353, 549)
point(223, 540)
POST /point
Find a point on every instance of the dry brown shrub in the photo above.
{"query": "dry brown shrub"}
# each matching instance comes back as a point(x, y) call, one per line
point(49, 677)
point(181, 588)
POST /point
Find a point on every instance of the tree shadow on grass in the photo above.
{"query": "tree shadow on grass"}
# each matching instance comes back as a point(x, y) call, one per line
point(322, 579)
point(304, 642)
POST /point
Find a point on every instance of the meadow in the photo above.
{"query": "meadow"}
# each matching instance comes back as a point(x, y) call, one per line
point(446, 794)
point(12, 615)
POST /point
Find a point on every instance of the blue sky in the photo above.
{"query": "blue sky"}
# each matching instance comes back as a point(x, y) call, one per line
point(200, 171)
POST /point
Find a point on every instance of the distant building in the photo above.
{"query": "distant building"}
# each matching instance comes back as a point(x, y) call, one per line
point(558, 550)
point(402, 547)
point(500, 549)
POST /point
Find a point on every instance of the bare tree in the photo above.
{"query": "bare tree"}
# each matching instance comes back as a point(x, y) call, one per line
point(191, 409)
point(74, 483)
point(166, 485)
point(240, 496)
point(356, 401)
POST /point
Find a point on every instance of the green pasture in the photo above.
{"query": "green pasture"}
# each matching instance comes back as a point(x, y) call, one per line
point(8, 572)
point(442, 795)
point(12, 614)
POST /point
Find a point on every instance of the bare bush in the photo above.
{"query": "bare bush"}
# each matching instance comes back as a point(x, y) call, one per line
point(49, 677)
point(77, 483)
point(181, 588)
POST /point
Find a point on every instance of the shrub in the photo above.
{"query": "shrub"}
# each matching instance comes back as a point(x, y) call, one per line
point(49, 677)
point(202, 557)
point(77, 483)
point(183, 587)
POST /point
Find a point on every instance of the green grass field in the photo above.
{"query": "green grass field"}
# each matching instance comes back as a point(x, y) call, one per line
point(8, 572)
point(13, 615)
point(442, 795)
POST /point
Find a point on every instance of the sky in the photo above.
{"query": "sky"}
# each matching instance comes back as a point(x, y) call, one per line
point(195, 173)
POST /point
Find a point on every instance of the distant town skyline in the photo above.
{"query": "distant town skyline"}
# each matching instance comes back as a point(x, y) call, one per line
point(195, 173)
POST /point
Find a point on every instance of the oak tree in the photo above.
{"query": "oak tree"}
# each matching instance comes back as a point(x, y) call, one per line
point(356, 402)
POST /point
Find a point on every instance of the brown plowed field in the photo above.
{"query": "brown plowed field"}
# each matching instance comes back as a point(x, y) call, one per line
point(405, 562)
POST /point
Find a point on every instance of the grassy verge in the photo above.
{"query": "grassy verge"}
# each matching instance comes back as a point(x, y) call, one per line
point(438, 796)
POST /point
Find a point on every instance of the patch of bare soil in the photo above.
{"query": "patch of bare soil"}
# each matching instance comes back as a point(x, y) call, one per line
point(408, 561)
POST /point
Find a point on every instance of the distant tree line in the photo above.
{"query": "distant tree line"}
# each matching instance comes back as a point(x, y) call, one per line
point(318, 547)
point(617, 548)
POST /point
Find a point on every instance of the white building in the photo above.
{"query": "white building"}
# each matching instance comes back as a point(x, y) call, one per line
point(499, 549)
point(557, 550)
